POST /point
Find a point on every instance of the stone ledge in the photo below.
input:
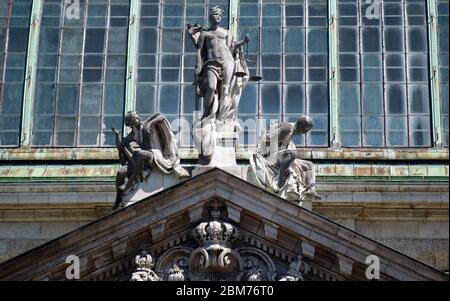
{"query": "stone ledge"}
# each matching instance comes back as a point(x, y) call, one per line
point(241, 153)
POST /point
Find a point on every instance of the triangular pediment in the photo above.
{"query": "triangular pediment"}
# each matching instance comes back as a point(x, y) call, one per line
point(271, 234)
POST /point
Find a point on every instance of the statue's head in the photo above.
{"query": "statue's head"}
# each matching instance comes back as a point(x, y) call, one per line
point(216, 14)
point(132, 119)
point(303, 124)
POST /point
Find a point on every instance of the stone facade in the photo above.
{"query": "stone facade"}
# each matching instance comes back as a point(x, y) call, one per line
point(409, 217)
point(215, 226)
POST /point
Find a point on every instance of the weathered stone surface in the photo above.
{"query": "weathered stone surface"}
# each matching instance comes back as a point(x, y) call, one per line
point(34, 198)
point(399, 229)
point(270, 230)
point(426, 197)
point(368, 228)
point(20, 230)
point(397, 197)
point(9, 198)
point(55, 229)
point(349, 223)
point(345, 265)
point(367, 197)
point(433, 230)
point(308, 249)
point(234, 213)
point(67, 197)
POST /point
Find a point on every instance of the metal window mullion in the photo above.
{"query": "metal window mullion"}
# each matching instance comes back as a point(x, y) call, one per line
point(80, 83)
point(359, 55)
point(258, 68)
point(181, 76)
point(437, 130)
point(281, 61)
point(405, 70)
point(333, 71)
point(132, 57)
point(305, 53)
point(30, 73)
point(305, 60)
point(233, 18)
point(383, 76)
point(158, 56)
point(104, 69)
point(58, 72)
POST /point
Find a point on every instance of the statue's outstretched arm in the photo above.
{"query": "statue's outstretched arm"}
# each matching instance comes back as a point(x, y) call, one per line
point(194, 32)
point(238, 44)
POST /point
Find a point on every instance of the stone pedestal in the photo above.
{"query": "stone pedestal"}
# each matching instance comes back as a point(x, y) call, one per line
point(155, 183)
point(224, 156)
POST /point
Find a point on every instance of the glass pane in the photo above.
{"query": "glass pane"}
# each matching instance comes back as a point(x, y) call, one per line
point(270, 99)
point(395, 99)
point(248, 100)
point(420, 131)
point(294, 40)
point(349, 95)
point(295, 99)
point(348, 39)
point(317, 40)
point(169, 99)
point(419, 99)
point(372, 99)
point(317, 98)
point(145, 99)
point(171, 41)
point(393, 38)
point(271, 40)
point(397, 131)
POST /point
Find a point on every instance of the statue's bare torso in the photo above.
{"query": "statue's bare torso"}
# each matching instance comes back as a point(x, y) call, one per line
point(217, 43)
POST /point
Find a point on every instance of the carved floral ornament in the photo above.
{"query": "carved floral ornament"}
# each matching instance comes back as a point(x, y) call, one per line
point(215, 258)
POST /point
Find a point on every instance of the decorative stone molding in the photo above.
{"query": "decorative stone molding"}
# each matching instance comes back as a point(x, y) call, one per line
point(158, 229)
point(215, 258)
point(296, 270)
point(254, 274)
point(175, 274)
point(144, 263)
point(270, 230)
point(234, 213)
point(308, 250)
point(214, 254)
point(177, 256)
point(345, 265)
point(195, 213)
point(269, 248)
point(257, 265)
point(119, 247)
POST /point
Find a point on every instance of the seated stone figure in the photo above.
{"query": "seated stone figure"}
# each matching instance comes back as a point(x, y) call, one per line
point(275, 165)
point(149, 144)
